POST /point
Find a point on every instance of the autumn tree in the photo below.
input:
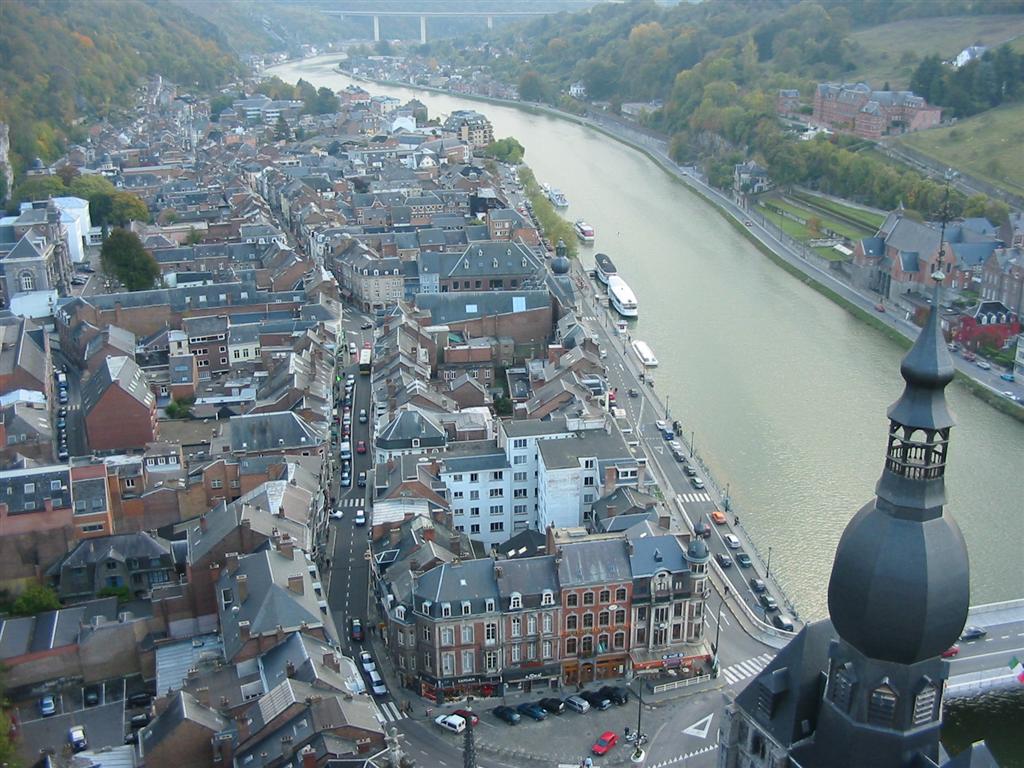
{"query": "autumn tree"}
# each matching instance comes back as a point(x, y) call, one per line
point(124, 257)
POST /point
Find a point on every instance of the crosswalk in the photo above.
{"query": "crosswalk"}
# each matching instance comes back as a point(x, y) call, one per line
point(745, 669)
point(693, 497)
point(390, 713)
point(353, 501)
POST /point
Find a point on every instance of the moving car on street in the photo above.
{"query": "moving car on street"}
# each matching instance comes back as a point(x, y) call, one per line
point(468, 715)
point(973, 633)
point(605, 742)
point(452, 723)
point(76, 737)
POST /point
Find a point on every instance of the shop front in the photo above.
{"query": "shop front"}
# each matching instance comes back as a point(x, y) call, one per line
point(583, 671)
point(679, 664)
point(532, 678)
point(441, 690)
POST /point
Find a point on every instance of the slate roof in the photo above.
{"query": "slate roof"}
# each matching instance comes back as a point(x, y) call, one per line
point(473, 581)
point(27, 490)
point(411, 425)
point(593, 562)
point(182, 708)
point(51, 629)
point(301, 657)
point(529, 576)
point(120, 372)
point(119, 546)
point(272, 431)
point(598, 444)
point(526, 543)
point(459, 306)
point(528, 428)
point(270, 603)
point(657, 553)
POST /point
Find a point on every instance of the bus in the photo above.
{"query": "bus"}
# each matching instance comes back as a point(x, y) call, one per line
point(365, 357)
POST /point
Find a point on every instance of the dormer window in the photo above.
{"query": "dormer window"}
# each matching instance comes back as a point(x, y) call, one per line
point(924, 705)
point(547, 598)
point(489, 604)
point(425, 607)
point(466, 608)
point(882, 705)
point(515, 601)
point(400, 613)
point(446, 610)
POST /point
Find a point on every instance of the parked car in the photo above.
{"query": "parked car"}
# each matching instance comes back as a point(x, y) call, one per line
point(973, 633)
point(377, 684)
point(697, 483)
point(950, 652)
point(768, 602)
point(689, 471)
point(984, 365)
point(554, 706)
point(616, 693)
point(338, 514)
point(718, 517)
point(360, 518)
point(91, 696)
point(743, 560)
point(140, 699)
point(452, 723)
point(596, 700)
point(355, 629)
point(346, 480)
point(731, 541)
point(783, 622)
point(758, 586)
point(367, 662)
point(679, 456)
point(361, 480)
point(468, 715)
point(577, 704)
point(605, 742)
point(1007, 377)
point(532, 710)
point(723, 560)
point(507, 714)
point(76, 735)
point(365, 326)
point(47, 706)
point(139, 721)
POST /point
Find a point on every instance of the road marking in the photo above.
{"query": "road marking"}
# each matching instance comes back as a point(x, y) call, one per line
point(687, 756)
point(700, 728)
point(746, 668)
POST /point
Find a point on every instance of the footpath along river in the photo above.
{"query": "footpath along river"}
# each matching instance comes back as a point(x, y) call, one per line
point(785, 391)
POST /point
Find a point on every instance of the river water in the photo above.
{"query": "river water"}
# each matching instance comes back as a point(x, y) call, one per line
point(784, 391)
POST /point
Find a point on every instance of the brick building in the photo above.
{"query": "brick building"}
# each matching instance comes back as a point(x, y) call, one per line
point(854, 107)
point(119, 407)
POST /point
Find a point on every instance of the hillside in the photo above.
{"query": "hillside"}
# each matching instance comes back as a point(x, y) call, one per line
point(987, 146)
point(65, 60)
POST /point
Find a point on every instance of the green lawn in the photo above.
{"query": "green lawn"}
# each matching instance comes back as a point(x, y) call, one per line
point(844, 229)
point(988, 146)
point(892, 51)
point(868, 219)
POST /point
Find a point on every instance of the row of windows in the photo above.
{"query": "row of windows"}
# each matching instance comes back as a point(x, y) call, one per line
point(572, 621)
point(572, 599)
point(586, 647)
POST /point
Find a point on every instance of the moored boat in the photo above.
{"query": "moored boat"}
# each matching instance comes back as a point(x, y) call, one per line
point(605, 267)
point(622, 297)
point(645, 354)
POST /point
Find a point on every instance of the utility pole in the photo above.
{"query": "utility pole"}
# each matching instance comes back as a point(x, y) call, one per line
point(469, 747)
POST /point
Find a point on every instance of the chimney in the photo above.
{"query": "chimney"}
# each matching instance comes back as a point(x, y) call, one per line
point(308, 757)
point(428, 534)
point(214, 572)
point(243, 631)
point(555, 351)
point(394, 535)
point(242, 587)
point(295, 584)
point(203, 525)
point(280, 511)
point(231, 562)
point(455, 544)
point(629, 547)
point(290, 669)
point(611, 510)
point(391, 465)
point(331, 661)
point(286, 547)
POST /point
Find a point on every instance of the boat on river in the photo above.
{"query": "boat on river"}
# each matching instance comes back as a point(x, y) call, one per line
point(605, 267)
point(622, 297)
point(557, 198)
point(643, 351)
point(584, 231)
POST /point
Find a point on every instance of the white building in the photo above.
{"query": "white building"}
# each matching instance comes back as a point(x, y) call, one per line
point(74, 215)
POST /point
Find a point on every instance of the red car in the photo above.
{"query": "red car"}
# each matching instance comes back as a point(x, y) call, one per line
point(949, 653)
point(361, 446)
point(469, 717)
point(605, 742)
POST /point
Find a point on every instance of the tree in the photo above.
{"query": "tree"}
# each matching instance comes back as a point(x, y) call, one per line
point(281, 131)
point(38, 188)
point(124, 257)
point(36, 599)
point(67, 174)
point(126, 207)
point(194, 236)
point(531, 86)
point(218, 104)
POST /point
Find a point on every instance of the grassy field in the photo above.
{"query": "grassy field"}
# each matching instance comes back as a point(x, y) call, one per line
point(867, 219)
point(887, 48)
point(796, 230)
point(987, 146)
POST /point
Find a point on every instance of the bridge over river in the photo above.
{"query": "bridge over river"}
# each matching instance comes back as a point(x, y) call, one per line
point(984, 664)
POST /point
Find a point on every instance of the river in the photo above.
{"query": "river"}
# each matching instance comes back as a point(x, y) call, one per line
point(785, 391)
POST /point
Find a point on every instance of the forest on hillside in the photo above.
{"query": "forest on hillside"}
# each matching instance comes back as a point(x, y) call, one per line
point(65, 60)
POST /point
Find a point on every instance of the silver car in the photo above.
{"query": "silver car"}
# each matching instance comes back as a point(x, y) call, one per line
point(577, 704)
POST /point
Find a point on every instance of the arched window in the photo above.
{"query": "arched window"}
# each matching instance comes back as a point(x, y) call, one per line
point(571, 621)
point(570, 646)
point(28, 281)
point(842, 684)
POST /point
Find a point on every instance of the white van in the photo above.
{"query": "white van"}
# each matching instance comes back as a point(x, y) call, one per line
point(453, 723)
point(345, 450)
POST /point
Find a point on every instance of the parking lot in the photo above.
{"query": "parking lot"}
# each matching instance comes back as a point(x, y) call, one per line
point(105, 722)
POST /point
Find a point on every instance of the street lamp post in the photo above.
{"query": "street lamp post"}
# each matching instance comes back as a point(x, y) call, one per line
point(768, 565)
point(638, 750)
point(666, 407)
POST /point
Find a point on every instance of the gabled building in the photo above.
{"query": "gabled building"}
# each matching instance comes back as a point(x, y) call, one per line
point(135, 562)
point(187, 733)
point(118, 406)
